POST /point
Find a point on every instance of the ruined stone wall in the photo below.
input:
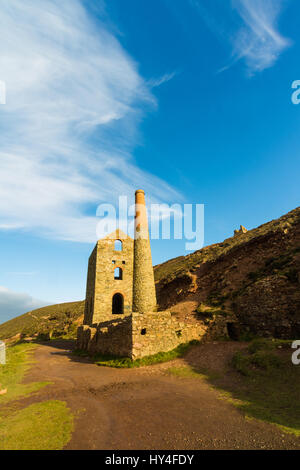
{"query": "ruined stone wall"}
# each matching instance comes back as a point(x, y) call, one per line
point(108, 338)
point(138, 335)
point(155, 332)
point(90, 288)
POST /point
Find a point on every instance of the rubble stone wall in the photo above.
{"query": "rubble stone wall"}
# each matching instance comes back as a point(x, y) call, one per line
point(139, 335)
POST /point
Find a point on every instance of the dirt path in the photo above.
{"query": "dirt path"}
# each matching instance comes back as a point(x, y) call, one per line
point(145, 408)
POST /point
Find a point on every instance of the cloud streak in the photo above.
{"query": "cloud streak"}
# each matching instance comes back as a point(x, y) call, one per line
point(74, 102)
point(249, 27)
point(155, 82)
point(258, 41)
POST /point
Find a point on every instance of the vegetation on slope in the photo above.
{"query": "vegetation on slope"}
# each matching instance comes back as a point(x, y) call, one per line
point(177, 267)
point(252, 278)
point(54, 320)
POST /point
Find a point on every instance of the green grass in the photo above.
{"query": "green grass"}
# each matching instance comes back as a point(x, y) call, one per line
point(18, 361)
point(126, 362)
point(267, 344)
point(260, 356)
point(271, 384)
point(250, 364)
point(42, 426)
point(46, 425)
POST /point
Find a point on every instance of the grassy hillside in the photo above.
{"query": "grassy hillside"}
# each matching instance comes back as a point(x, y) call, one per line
point(253, 275)
point(56, 320)
point(180, 265)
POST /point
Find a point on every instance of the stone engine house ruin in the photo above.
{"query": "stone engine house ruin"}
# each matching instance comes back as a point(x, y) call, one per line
point(121, 316)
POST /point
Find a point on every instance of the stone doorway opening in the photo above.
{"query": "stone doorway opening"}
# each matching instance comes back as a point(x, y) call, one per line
point(118, 304)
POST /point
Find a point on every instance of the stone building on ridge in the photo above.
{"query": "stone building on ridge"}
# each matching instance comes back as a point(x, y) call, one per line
point(121, 316)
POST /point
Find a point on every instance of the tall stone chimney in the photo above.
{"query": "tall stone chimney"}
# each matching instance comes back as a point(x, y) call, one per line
point(144, 296)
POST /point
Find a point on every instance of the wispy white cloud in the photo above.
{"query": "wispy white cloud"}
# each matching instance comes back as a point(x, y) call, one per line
point(249, 28)
point(259, 41)
point(16, 303)
point(73, 105)
point(155, 82)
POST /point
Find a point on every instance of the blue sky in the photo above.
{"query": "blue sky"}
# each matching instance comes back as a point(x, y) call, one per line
point(188, 99)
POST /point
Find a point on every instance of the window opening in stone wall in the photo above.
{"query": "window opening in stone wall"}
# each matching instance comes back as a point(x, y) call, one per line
point(118, 245)
point(118, 274)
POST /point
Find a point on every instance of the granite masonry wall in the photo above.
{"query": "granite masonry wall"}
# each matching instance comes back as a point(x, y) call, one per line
point(90, 288)
point(101, 283)
point(155, 332)
point(111, 337)
point(140, 335)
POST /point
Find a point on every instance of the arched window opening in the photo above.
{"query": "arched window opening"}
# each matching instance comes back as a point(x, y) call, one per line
point(118, 245)
point(118, 304)
point(118, 274)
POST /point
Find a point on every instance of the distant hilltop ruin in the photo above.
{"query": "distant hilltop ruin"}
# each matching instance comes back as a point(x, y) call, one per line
point(241, 230)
